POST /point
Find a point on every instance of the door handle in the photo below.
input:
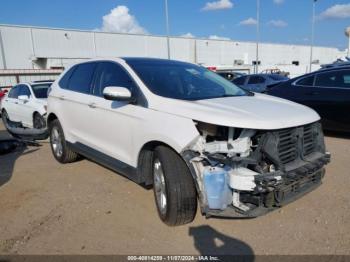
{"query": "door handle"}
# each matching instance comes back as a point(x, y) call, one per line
point(61, 97)
point(92, 105)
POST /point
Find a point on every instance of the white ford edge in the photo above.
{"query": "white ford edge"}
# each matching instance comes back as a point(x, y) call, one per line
point(194, 136)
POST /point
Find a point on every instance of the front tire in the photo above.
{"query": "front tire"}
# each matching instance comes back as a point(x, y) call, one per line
point(5, 117)
point(60, 149)
point(174, 188)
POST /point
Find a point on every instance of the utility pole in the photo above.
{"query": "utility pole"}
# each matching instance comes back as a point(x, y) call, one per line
point(347, 33)
point(167, 27)
point(312, 33)
point(257, 35)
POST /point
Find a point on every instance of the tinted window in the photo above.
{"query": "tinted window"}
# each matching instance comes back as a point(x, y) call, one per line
point(240, 80)
point(24, 91)
point(80, 81)
point(334, 79)
point(184, 81)
point(111, 74)
point(307, 81)
point(65, 79)
point(14, 92)
point(277, 77)
point(253, 80)
point(40, 91)
point(228, 76)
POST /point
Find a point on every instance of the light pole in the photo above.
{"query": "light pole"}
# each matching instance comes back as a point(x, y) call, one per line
point(257, 35)
point(312, 33)
point(347, 33)
point(167, 27)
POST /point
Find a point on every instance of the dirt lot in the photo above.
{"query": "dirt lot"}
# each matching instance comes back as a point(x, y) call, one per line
point(83, 208)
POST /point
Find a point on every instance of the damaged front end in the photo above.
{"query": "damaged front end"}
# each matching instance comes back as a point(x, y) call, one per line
point(247, 173)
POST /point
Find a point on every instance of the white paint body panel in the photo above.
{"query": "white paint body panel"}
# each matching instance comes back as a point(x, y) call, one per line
point(254, 112)
point(120, 130)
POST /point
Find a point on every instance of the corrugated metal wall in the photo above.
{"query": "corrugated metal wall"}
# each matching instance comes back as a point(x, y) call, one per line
point(22, 45)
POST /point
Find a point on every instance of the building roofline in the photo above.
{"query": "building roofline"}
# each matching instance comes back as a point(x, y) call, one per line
point(150, 35)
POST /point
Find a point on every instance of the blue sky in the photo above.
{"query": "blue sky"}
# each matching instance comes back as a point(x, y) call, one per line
point(282, 21)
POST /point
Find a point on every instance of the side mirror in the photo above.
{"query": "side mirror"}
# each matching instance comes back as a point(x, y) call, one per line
point(23, 98)
point(117, 93)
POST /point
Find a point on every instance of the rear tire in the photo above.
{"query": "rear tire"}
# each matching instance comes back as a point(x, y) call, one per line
point(60, 149)
point(38, 121)
point(174, 188)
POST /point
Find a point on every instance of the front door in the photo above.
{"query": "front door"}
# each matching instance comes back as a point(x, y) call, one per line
point(114, 121)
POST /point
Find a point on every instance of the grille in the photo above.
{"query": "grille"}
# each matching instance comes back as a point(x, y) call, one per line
point(308, 140)
point(288, 142)
point(287, 147)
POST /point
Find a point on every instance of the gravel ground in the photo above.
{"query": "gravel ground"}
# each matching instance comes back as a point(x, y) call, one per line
point(83, 208)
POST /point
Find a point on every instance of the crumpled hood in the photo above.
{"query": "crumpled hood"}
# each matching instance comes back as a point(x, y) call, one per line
point(254, 112)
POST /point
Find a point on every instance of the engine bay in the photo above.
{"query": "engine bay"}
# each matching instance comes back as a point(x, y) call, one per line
point(251, 172)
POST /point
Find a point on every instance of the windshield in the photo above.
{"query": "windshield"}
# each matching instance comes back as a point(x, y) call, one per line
point(183, 80)
point(40, 91)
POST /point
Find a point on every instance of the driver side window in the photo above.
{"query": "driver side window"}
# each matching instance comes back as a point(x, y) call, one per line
point(24, 91)
point(111, 74)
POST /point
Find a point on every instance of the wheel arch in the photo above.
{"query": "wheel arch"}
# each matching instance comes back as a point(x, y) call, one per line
point(145, 157)
point(51, 117)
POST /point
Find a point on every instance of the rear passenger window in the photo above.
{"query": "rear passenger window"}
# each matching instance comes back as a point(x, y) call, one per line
point(111, 74)
point(24, 91)
point(65, 79)
point(307, 81)
point(80, 81)
point(334, 79)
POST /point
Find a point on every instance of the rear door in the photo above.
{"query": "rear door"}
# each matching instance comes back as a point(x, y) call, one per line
point(11, 102)
point(74, 99)
point(25, 109)
point(331, 98)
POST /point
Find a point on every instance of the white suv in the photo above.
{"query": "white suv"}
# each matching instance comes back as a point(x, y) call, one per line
point(188, 132)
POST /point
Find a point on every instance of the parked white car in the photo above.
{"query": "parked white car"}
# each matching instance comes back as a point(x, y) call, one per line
point(188, 132)
point(26, 103)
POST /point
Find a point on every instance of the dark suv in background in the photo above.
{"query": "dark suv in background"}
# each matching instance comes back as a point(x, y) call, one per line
point(327, 91)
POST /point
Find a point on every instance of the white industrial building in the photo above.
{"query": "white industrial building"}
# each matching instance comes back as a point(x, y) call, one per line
point(23, 47)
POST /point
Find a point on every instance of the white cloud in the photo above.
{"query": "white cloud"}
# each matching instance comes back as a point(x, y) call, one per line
point(277, 23)
point(119, 20)
point(278, 2)
point(188, 35)
point(249, 21)
point(218, 5)
point(336, 12)
point(216, 37)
